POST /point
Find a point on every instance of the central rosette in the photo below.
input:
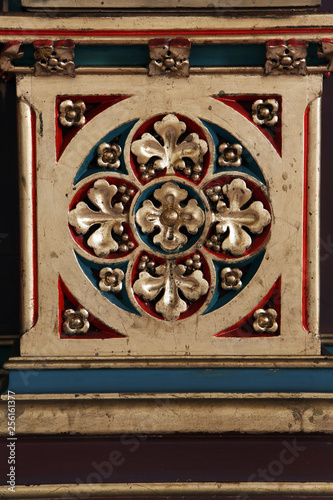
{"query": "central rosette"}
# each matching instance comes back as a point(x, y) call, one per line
point(171, 218)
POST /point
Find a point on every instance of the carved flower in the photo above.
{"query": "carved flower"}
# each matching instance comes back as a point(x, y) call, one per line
point(170, 217)
point(111, 280)
point(169, 280)
point(265, 112)
point(76, 322)
point(231, 155)
point(170, 155)
point(231, 278)
point(108, 155)
point(54, 57)
point(265, 321)
point(72, 113)
point(110, 218)
point(169, 56)
point(233, 218)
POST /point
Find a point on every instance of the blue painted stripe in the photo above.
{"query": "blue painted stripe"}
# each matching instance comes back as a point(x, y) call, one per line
point(4, 353)
point(152, 380)
point(201, 55)
point(14, 6)
point(228, 55)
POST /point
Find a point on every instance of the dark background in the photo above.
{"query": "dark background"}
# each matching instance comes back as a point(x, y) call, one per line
point(9, 208)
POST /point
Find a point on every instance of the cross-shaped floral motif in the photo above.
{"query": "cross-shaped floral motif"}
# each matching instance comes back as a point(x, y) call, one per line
point(168, 153)
point(110, 218)
point(170, 217)
point(233, 218)
point(170, 279)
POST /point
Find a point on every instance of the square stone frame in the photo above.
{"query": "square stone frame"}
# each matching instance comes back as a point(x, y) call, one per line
point(44, 254)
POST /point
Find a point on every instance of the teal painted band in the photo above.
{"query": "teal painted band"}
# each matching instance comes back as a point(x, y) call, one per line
point(201, 55)
point(152, 380)
point(4, 353)
point(14, 6)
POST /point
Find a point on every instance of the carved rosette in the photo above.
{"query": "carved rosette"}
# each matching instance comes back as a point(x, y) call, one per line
point(286, 57)
point(170, 217)
point(183, 233)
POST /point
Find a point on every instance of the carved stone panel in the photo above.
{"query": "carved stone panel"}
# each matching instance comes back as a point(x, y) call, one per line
point(170, 218)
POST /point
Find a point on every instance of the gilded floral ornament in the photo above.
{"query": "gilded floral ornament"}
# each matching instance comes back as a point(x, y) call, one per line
point(265, 321)
point(233, 219)
point(169, 279)
point(230, 155)
point(286, 58)
point(170, 154)
point(176, 215)
point(231, 278)
point(193, 263)
point(110, 218)
point(169, 57)
point(265, 112)
point(146, 263)
point(54, 57)
point(76, 322)
point(72, 113)
point(108, 155)
point(111, 280)
point(170, 217)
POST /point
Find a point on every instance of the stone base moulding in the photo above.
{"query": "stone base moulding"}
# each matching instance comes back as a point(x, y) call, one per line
point(170, 413)
point(155, 490)
point(85, 362)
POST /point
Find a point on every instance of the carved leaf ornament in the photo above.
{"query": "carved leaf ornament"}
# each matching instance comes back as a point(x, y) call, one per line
point(235, 218)
point(169, 153)
point(170, 280)
point(109, 217)
point(180, 228)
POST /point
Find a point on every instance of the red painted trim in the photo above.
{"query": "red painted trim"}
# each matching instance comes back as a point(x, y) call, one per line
point(34, 218)
point(58, 131)
point(305, 319)
point(42, 43)
point(162, 32)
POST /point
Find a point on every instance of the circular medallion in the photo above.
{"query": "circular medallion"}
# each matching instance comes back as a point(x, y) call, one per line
point(178, 234)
